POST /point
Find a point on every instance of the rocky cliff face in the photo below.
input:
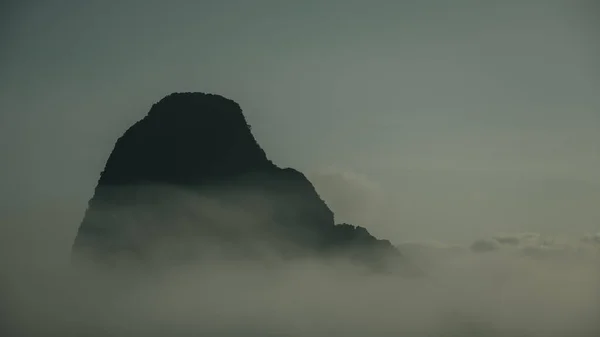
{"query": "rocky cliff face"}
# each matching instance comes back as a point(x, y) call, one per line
point(190, 181)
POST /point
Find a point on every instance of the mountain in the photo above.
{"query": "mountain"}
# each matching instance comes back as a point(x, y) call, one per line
point(189, 181)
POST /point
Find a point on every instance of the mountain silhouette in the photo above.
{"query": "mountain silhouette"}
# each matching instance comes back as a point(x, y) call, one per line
point(189, 181)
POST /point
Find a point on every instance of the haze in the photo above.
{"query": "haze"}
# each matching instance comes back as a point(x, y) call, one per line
point(424, 121)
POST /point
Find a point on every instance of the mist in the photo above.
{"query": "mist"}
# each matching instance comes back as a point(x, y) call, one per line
point(465, 132)
point(521, 284)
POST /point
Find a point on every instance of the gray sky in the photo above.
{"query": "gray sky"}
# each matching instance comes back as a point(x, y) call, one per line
point(469, 117)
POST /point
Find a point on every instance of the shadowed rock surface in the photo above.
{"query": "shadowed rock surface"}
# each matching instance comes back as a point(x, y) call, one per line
point(190, 181)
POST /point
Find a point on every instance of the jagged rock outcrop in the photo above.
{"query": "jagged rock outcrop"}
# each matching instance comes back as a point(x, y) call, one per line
point(190, 181)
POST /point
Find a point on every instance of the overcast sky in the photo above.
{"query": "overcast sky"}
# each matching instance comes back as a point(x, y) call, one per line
point(462, 118)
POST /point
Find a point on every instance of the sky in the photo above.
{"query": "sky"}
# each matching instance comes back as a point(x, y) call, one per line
point(435, 124)
point(445, 120)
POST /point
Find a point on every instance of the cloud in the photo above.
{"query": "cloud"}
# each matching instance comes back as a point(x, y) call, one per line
point(593, 239)
point(528, 284)
point(482, 246)
point(515, 239)
point(529, 245)
point(353, 197)
point(503, 292)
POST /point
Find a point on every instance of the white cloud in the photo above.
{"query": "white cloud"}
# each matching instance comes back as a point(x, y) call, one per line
point(499, 293)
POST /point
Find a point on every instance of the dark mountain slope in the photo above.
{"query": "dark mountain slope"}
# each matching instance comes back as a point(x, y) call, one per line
point(190, 181)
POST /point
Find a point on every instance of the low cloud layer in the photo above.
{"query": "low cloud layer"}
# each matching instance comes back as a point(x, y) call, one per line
point(522, 284)
point(530, 245)
point(505, 291)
